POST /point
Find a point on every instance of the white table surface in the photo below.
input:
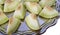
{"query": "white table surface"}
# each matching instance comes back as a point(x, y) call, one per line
point(54, 30)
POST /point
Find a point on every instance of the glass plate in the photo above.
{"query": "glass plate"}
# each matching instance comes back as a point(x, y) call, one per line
point(25, 30)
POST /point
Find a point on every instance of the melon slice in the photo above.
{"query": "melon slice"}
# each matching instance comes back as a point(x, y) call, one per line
point(48, 12)
point(11, 5)
point(20, 11)
point(43, 3)
point(3, 18)
point(13, 25)
point(32, 22)
point(33, 7)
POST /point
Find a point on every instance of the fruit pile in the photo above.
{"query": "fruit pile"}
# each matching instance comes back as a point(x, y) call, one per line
point(42, 8)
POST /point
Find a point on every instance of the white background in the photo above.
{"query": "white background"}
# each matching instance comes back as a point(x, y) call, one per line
point(54, 30)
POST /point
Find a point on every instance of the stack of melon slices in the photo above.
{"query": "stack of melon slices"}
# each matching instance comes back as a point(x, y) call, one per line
point(42, 8)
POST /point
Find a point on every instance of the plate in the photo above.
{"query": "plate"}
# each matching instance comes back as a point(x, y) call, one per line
point(25, 30)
